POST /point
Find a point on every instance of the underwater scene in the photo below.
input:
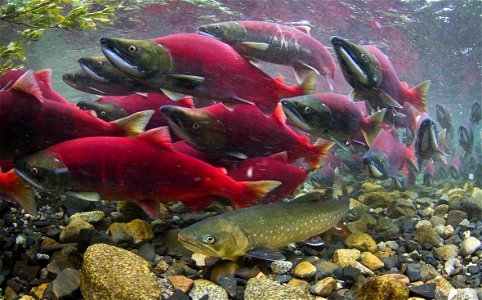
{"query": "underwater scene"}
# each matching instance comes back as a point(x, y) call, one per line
point(220, 149)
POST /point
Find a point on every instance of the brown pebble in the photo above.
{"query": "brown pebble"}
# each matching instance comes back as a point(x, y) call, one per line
point(301, 284)
point(181, 282)
point(399, 277)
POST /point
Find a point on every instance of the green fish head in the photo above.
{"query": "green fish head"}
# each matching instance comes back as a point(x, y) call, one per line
point(44, 171)
point(82, 81)
point(99, 68)
point(426, 142)
point(376, 164)
point(107, 111)
point(358, 65)
point(307, 113)
point(215, 237)
point(140, 59)
point(195, 126)
point(228, 32)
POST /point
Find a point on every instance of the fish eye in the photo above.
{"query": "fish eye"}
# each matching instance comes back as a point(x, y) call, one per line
point(99, 64)
point(132, 49)
point(34, 171)
point(217, 27)
point(307, 109)
point(363, 56)
point(196, 126)
point(102, 113)
point(209, 239)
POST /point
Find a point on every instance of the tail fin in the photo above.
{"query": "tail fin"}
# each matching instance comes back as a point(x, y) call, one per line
point(308, 86)
point(135, 123)
point(21, 193)
point(373, 125)
point(418, 95)
point(320, 148)
point(256, 191)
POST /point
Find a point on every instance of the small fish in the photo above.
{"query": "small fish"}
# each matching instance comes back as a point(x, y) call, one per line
point(84, 82)
point(428, 141)
point(113, 109)
point(454, 167)
point(275, 167)
point(386, 157)
point(276, 43)
point(29, 122)
point(144, 169)
point(444, 117)
point(332, 116)
point(14, 188)
point(475, 113)
point(242, 132)
point(242, 231)
point(466, 139)
point(369, 71)
point(44, 82)
point(199, 66)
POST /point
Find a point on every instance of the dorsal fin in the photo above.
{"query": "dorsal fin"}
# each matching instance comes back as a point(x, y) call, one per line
point(135, 123)
point(279, 114)
point(45, 76)
point(28, 84)
point(187, 101)
point(159, 136)
point(306, 29)
point(281, 156)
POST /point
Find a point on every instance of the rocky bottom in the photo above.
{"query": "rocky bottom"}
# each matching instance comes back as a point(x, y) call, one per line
point(417, 244)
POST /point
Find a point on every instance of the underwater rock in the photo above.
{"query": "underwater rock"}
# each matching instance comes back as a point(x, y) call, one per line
point(437, 220)
point(469, 246)
point(304, 270)
point(324, 287)
point(72, 231)
point(455, 217)
point(346, 257)
point(263, 288)
point(67, 257)
point(378, 199)
point(110, 272)
point(427, 272)
point(371, 261)
point(371, 187)
point(466, 294)
point(381, 288)
point(324, 269)
point(362, 242)
point(66, 285)
point(281, 266)
point(401, 207)
point(90, 216)
point(446, 252)
point(473, 206)
point(443, 288)
point(425, 234)
point(203, 287)
point(385, 229)
point(441, 210)
point(427, 291)
point(181, 282)
point(299, 284)
point(136, 231)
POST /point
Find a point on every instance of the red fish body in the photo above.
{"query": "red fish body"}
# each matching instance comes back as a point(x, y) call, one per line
point(43, 78)
point(275, 167)
point(29, 123)
point(144, 169)
point(392, 85)
point(243, 132)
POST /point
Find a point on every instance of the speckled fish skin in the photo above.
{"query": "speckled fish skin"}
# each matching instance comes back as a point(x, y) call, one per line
point(267, 226)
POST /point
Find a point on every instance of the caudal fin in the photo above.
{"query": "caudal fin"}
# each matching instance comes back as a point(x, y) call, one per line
point(308, 86)
point(135, 123)
point(255, 192)
point(372, 126)
point(418, 95)
point(22, 193)
point(321, 147)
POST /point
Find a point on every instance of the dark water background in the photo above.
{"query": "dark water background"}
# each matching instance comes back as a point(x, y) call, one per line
point(436, 40)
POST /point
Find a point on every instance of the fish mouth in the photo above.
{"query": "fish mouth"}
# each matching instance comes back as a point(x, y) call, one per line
point(193, 246)
point(341, 48)
point(374, 171)
point(118, 59)
point(27, 179)
point(69, 79)
point(294, 118)
point(172, 114)
point(83, 64)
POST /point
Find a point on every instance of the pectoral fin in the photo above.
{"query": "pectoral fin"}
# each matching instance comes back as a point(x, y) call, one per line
point(266, 254)
point(303, 70)
point(173, 95)
point(86, 196)
point(186, 81)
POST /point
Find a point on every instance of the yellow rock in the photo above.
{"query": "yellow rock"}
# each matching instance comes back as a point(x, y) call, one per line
point(301, 284)
point(181, 282)
point(371, 261)
point(346, 257)
point(398, 277)
point(383, 288)
point(304, 270)
point(110, 272)
point(324, 287)
point(71, 232)
point(139, 230)
point(362, 242)
point(443, 288)
point(39, 291)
